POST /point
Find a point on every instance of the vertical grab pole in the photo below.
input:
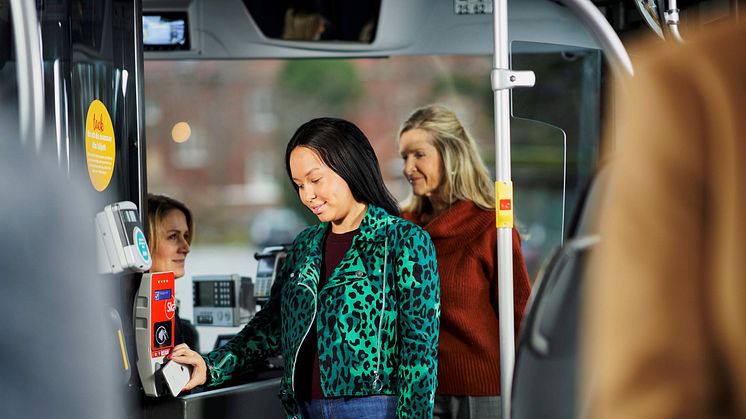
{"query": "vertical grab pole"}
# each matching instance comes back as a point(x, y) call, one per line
point(504, 79)
point(504, 198)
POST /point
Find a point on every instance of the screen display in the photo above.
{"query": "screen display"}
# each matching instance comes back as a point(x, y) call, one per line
point(215, 294)
point(265, 266)
point(222, 340)
point(165, 31)
point(162, 295)
point(129, 216)
point(206, 294)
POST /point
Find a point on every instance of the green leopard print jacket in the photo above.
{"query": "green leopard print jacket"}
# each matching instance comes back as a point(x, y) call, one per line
point(378, 317)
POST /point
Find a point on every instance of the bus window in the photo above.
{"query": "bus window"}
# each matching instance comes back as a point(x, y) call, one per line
point(217, 130)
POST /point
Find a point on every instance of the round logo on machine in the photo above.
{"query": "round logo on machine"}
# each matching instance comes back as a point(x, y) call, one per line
point(142, 244)
point(170, 309)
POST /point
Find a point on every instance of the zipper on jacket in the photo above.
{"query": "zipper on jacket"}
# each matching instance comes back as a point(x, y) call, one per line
point(377, 384)
point(295, 360)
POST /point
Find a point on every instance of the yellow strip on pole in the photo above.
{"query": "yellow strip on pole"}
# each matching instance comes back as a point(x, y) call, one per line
point(504, 203)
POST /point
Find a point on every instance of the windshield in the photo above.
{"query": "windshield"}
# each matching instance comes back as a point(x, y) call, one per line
point(217, 130)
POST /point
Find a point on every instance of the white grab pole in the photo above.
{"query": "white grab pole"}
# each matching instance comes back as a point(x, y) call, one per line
point(501, 63)
point(503, 79)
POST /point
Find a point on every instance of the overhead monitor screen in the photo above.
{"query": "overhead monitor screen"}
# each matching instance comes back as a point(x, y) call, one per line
point(165, 31)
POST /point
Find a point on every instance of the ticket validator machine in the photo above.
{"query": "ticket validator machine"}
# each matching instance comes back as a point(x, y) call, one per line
point(121, 242)
point(269, 261)
point(154, 316)
point(122, 247)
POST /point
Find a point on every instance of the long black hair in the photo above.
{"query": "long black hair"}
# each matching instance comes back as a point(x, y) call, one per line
point(346, 150)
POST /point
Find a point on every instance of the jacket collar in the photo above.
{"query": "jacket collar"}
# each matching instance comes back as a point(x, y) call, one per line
point(372, 231)
point(372, 228)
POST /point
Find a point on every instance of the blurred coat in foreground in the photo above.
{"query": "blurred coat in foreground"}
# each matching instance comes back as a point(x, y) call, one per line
point(666, 307)
point(58, 356)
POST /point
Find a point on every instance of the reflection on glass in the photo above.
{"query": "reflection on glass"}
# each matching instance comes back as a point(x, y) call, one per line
point(303, 25)
point(316, 20)
point(539, 179)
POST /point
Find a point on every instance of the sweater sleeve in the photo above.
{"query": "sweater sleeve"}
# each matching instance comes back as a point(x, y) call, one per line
point(418, 291)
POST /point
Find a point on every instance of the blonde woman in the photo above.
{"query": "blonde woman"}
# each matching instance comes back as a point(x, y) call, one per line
point(170, 233)
point(453, 200)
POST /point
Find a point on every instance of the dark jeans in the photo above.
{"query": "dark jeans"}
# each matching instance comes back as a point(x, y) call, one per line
point(367, 407)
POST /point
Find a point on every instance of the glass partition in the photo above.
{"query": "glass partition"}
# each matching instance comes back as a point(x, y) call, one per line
point(555, 139)
point(538, 162)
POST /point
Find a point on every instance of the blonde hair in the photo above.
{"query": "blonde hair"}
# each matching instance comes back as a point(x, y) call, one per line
point(466, 177)
point(158, 208)
point(302, 25)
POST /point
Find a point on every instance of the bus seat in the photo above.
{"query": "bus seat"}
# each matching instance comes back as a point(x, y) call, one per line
point(546, 379)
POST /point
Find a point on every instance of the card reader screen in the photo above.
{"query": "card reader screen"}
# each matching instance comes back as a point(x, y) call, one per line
point(162, 295)
point(206, 295)
point(215, 294)
point(129, 216)
point(265, 266)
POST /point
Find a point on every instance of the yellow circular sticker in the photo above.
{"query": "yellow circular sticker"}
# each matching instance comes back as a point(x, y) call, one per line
point(100, 145)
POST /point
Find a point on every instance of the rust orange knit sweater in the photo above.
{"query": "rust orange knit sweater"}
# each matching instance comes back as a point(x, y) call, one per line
point(465, 240)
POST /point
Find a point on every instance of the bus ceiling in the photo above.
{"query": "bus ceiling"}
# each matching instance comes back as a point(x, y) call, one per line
point(252, 29)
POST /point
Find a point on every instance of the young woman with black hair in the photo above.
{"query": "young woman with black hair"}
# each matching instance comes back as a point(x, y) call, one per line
point(355, 309)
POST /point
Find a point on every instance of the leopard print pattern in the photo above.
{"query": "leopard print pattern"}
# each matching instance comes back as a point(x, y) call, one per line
point(377, 317)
